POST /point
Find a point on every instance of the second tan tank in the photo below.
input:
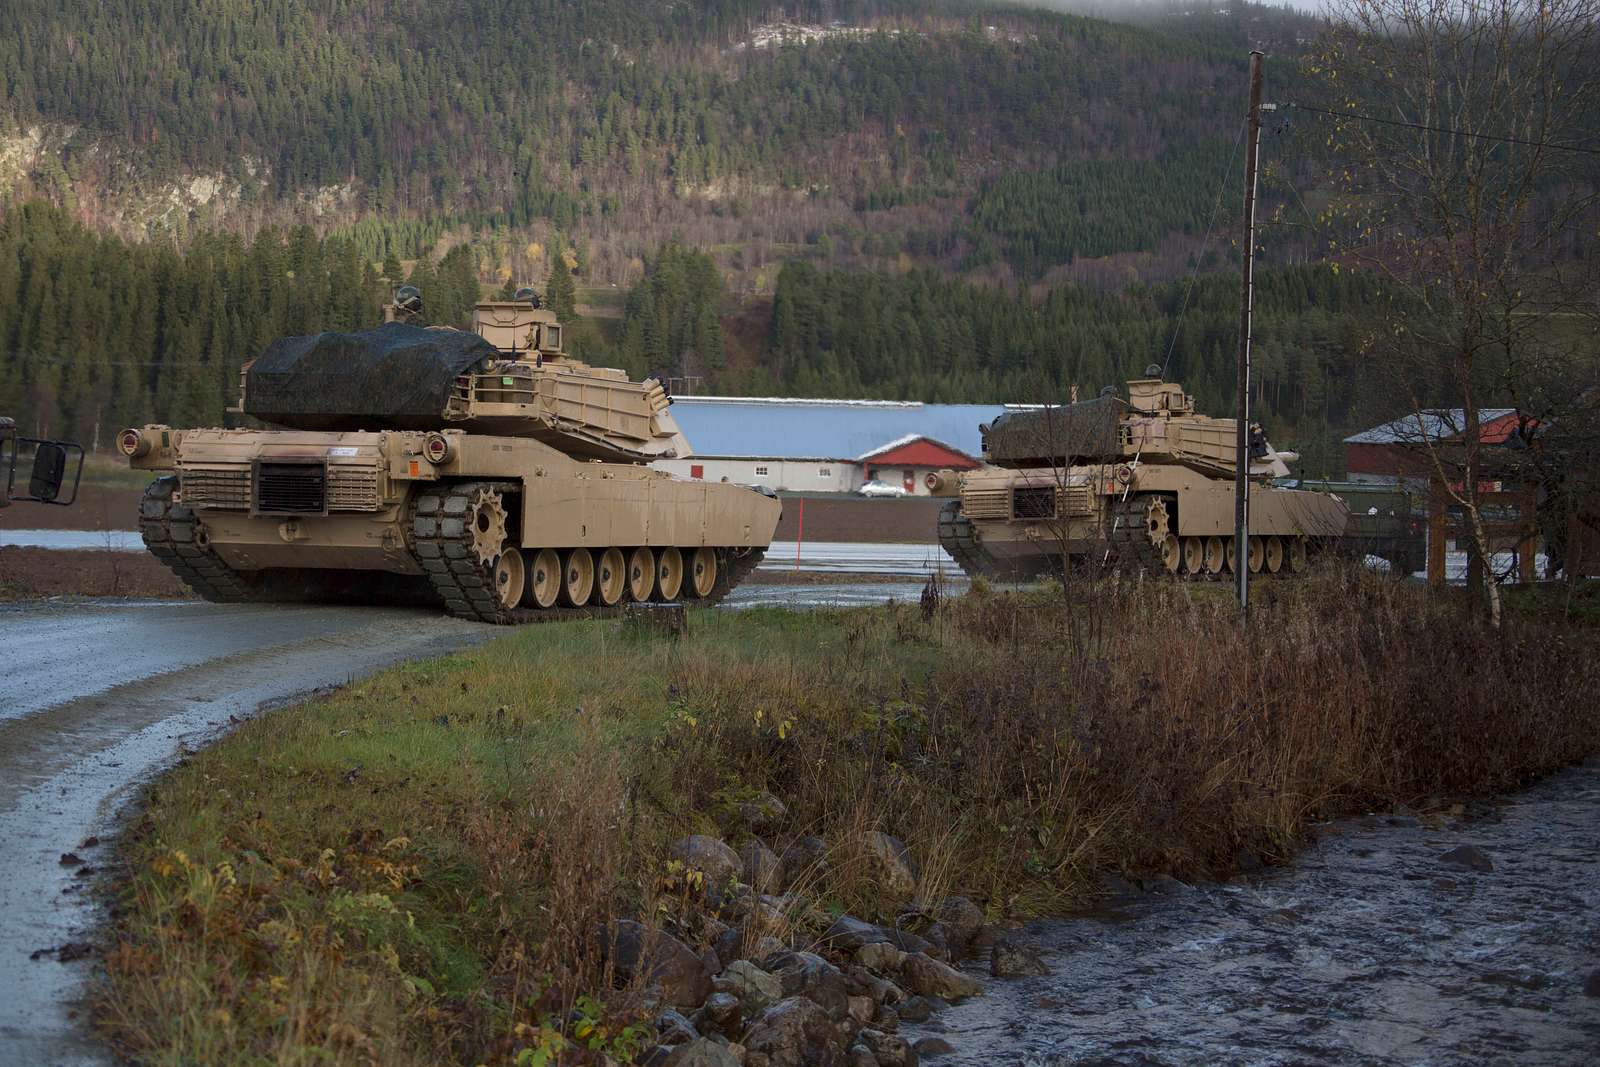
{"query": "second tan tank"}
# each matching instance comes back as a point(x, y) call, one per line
point(1143, 484)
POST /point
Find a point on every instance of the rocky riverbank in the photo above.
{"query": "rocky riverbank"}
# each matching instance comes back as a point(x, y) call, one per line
point(1461, 935)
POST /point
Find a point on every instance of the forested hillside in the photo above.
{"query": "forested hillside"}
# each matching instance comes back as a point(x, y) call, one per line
point(96, 333)
point(861, 131)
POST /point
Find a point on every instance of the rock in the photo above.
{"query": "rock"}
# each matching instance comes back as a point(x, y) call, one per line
point(719, 1014)
point(963, 919)
point(1011, 958)
point(890, 862)
point(1591, 984)
point(887, 1019)
point(665, 961)
point(729, 945)
point(673, 1028)
point(805, 974)
point(762, 811)
point(849, 933)
point(861, 1056)
point(881, 957)
point(928, 1047)
point(1468, 858)
point(942, 942)
point(711, 857)
point(919, 1009)
point(759, 865)
point(928, 977)
point(795, 1032)
point(860, 1009)
point(1118, 889)
point(805, 861)
point(702, 1052)
point(906, 941)
point(890, 1050)
point(881, 990)
point(756, 989)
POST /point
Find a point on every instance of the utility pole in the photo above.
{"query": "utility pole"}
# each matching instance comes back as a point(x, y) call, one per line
point(1241, 480)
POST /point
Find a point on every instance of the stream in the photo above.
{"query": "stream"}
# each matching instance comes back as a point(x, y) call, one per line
point(1380, 944)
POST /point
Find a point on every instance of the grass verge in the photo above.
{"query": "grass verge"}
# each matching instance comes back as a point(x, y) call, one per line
point(411, 869)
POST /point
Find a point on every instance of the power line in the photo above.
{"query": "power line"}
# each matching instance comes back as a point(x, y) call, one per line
point(1453, 132)
point(1194, 273)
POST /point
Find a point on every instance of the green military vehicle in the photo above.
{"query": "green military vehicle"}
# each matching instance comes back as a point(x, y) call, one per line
point(1384, 522)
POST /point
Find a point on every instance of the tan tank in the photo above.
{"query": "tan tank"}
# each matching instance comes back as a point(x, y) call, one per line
point(488, 470)
point(1144, 485)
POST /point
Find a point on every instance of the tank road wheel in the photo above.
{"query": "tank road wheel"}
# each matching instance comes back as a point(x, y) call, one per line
point(1216, 556)
point(702, 572)
point(669, 574)
point(1232, 544)
point(610, 578)
point(641, 574)
point(510, 578)
point(1171, 554)
point(1258, 554)
point(1297, 555)
point(1274, 555)
point(577, 582)
point(544, 579)
point(1194, 555)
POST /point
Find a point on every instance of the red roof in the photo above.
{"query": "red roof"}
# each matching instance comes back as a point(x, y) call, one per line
point(918, 452)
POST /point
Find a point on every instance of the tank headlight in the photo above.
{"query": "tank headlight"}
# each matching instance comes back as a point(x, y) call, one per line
point(436, 446)
point(132, 444)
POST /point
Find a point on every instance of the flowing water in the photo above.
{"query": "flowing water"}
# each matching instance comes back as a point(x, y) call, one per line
point(1374, 947)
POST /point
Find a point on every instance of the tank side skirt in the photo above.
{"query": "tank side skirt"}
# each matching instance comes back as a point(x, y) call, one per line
point(442, 545)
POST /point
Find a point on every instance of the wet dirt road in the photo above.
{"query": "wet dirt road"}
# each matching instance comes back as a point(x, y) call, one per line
point(97, 696)
point(1375, 947)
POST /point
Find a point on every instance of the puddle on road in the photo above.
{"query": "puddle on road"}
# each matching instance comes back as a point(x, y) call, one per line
point(1370, 949)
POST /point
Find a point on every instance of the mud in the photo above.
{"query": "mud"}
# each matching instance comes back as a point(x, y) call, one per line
point(1381, 945)
point(98, 507)
point(42, 572)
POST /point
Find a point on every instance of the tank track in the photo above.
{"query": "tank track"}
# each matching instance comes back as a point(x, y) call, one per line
point(442, 544)
point(169, 531)
point(956, 536)
point(1131, 549)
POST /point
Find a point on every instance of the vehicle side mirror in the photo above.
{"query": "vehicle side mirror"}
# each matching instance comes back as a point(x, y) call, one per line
point(49, 471)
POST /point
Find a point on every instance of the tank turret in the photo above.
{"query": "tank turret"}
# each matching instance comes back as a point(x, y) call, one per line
point(509, 376)
point(1156, 424)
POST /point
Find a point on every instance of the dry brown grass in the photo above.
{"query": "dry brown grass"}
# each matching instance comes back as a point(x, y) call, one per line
point(353, 882)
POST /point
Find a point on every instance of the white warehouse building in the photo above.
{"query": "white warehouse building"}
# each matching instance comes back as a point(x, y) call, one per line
point(825, 446)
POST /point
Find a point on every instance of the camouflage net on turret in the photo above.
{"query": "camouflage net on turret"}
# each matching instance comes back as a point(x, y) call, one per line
point(395, 377)
point(1055, 435)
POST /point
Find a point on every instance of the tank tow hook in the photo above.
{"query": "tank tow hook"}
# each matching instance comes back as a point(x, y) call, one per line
point(291, 531)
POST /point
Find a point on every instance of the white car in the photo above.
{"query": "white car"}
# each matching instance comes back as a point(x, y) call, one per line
point(877, 488)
